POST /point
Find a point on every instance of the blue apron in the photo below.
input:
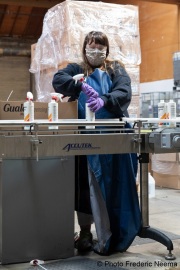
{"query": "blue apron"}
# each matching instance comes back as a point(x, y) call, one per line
point(113, 194)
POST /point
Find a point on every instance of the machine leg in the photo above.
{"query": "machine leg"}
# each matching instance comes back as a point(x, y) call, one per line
point(146, 231)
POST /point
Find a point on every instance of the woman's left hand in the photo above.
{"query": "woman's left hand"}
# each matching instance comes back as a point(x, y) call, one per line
point(89, 91)
point(95, 104)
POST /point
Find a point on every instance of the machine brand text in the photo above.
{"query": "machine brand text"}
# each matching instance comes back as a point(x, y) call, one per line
point(79, 146)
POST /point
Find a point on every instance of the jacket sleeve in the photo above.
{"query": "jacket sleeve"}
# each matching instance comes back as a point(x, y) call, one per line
point(64, 83)
point(119, 97)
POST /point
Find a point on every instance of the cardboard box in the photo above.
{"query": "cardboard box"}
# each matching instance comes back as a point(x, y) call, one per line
point(14, 110)
point(166, 180)
point(172, 157)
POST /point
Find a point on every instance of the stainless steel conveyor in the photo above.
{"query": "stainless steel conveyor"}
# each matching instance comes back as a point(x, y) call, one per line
point(34, 158)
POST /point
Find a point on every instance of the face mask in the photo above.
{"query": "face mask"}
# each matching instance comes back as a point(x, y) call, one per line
point(95, 56)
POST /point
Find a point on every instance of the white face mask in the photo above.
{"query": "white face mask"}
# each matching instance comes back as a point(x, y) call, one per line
point(95, 56)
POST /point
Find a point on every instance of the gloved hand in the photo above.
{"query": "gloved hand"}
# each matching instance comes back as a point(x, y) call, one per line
point(89, 91)
point(95, 104)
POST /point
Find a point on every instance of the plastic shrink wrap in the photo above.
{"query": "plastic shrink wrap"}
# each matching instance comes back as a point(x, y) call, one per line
point(64, 28)
point(166, 163)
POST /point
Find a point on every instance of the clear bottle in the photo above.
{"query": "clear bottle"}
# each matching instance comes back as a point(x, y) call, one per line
point(171, 112)
point(150, 111)
point(151, 186)
point(162, 112)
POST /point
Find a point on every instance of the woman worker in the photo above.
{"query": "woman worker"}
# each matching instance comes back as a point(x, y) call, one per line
point(105, 184)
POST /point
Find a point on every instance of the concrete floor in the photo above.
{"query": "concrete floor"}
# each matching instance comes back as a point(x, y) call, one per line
point(164, 215)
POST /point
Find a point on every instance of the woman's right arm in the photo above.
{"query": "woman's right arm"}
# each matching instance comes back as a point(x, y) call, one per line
point(64, 83)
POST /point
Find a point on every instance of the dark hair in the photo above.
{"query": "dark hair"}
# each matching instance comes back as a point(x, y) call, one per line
point(98, 38)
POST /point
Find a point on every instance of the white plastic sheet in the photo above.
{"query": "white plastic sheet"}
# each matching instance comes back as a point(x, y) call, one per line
point(64, 29)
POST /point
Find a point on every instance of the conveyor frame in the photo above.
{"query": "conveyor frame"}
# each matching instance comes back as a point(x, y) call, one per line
point(72, 138)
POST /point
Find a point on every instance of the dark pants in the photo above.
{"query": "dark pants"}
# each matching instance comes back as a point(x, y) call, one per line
point(82, 193)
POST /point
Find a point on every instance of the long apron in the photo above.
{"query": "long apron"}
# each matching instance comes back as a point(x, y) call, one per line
point(112, 182)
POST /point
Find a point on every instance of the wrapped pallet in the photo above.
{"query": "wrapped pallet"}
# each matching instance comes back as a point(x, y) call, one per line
point(64, 28)
point(166, 170)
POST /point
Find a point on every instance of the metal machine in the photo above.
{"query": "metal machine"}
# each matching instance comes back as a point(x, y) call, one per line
point(34, 221)
point(176, 73)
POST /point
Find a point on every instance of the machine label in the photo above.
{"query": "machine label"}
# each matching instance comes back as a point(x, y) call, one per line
point(79, 146)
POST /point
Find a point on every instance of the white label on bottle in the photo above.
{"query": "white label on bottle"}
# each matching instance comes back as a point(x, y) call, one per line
point(162, 113)
point(90, 116)
point(53, 113)
point(28, 113)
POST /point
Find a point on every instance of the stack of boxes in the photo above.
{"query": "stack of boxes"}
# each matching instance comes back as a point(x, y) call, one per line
point(64, 29)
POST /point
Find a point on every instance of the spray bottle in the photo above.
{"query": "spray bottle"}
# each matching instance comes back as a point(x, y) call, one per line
point(53, 109)
point(28, 109)
point(90, 116)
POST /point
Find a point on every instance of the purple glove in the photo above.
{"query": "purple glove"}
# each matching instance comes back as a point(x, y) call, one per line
point(95, 104)
point(89, 91)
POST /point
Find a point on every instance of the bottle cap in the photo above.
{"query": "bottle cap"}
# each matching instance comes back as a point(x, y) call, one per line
point(55, 96)
point(29, 96)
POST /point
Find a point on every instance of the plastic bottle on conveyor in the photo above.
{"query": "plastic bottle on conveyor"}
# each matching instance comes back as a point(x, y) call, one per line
point(28, 109)
point(53, 109)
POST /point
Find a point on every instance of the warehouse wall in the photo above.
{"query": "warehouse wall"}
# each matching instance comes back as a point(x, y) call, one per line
point(14, 75)
point(159, 37)
point(15, 57)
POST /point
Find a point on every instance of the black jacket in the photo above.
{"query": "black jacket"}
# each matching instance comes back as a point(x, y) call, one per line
point(116, 101)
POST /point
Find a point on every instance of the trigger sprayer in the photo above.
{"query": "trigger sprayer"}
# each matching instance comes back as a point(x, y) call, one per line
point(78, 77)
